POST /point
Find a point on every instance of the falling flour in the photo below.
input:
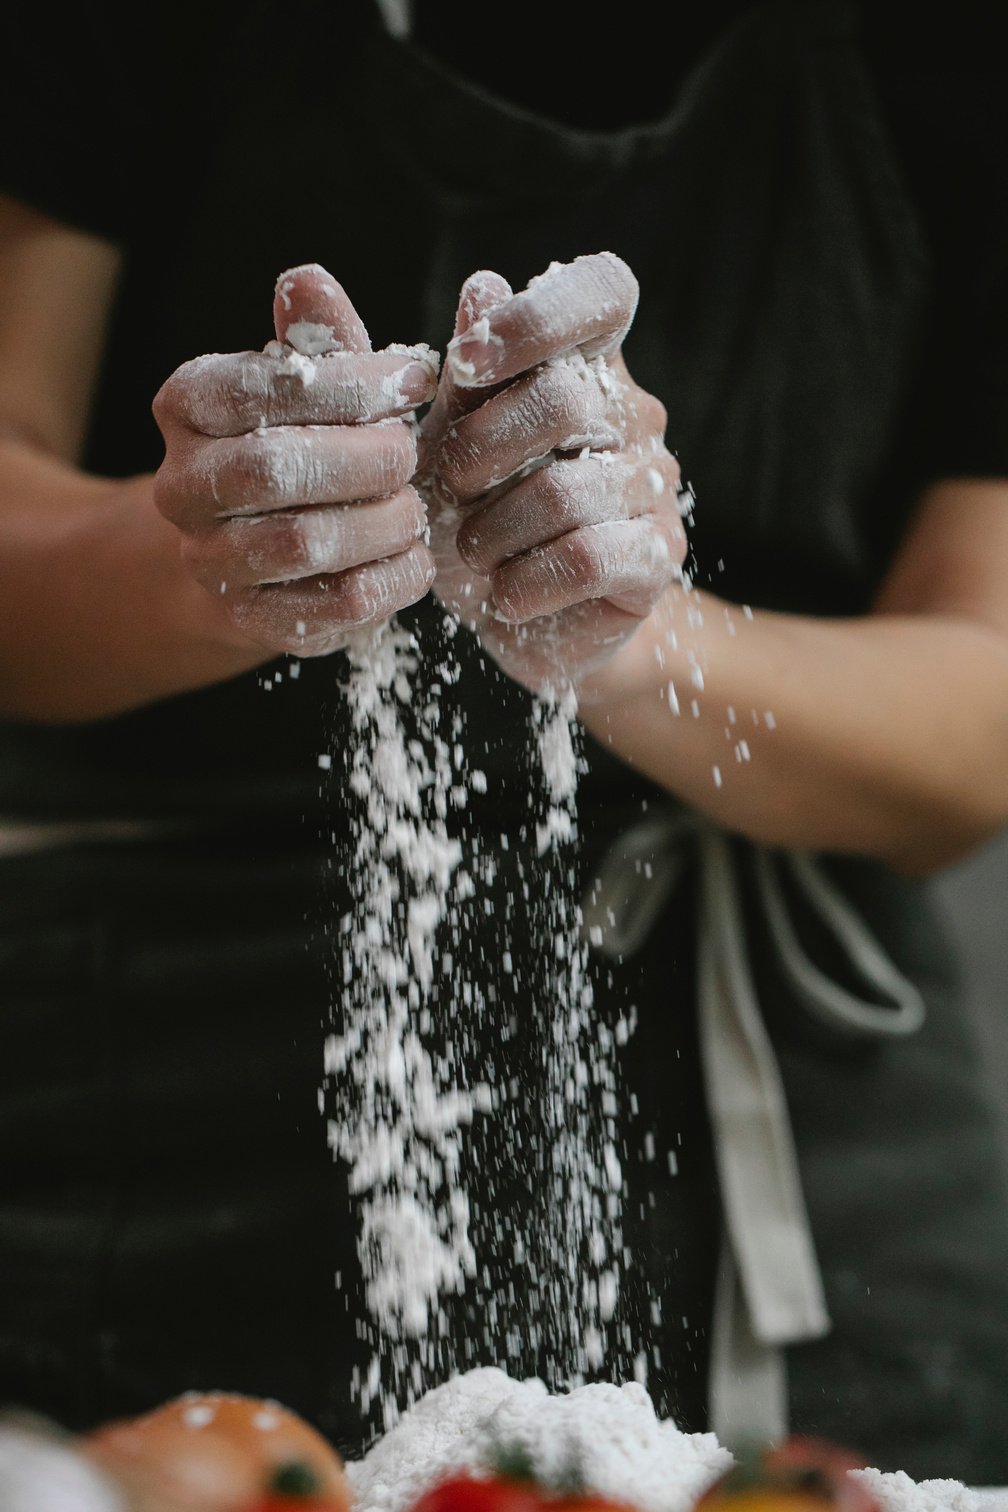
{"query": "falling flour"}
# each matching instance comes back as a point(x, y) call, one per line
point(579, 1250)
point(396, 1068)
point(401, 1113)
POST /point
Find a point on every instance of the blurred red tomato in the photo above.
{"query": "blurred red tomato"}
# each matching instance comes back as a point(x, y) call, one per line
point(800, 1475)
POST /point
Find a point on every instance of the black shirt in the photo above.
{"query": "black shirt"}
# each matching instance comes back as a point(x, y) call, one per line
point(809, 304)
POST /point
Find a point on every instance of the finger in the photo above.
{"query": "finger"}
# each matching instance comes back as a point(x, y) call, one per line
point(627, 562)
point(314, 616)
point(299, 543)
point(283, 467)
point(481, 292)
point(313, 314)
point(586, 305)
point(560, 497)
point(560, 407)
point(231, 394)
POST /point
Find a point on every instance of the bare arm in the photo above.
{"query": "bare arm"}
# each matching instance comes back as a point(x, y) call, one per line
point(97, 612)
point(885, 735)
point(110, 590)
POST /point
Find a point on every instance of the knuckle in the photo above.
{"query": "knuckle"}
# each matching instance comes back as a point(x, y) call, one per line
point(173, 402)
point(566, 400)
point(418, 509)
point(401, 455)
point(239, 394)
point(180, 399)
point(669, 469)
point(583, 558)
point(411, 515)
point(265, 466)
point(509, 587)
point(657, 552)
point(284, 545)
point(389, 460)
point(408, 577)
point(676, 544)
point(473, 547)
point(563, 490)
point(172, 498)
point(217, 395)
point(247, 610)
point(662, 485)
point(291, 544)
point(274, 618)
point(354, 395)
point(459, 455)
point(355, 596)
point(651, 412)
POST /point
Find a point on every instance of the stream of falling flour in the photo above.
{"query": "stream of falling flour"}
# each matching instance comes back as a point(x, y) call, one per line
point(397, 1071)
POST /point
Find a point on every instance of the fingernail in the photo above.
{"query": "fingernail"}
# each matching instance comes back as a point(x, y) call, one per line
point(473, 357)
point(416, 383)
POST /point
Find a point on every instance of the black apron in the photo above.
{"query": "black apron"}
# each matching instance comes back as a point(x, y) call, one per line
point(170, 1214)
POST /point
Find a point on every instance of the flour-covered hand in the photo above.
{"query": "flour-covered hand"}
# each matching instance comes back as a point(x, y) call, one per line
point(553, 498)
point(287, 473)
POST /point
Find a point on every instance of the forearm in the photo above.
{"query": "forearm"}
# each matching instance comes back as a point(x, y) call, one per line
point(98, 613)
point(884, 736)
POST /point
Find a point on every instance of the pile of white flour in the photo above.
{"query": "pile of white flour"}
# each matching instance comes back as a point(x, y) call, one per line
point(612, 1433)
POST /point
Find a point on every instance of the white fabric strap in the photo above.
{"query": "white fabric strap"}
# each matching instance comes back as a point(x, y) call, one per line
point(765, 1213)
point(747, 1396)
point(902, 1008)
point(770, 1292)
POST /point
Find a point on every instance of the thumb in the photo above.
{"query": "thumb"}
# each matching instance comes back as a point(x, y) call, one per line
point(481, 293)
point(313, 314)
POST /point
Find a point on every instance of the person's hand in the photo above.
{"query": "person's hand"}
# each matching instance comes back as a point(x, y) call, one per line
point(553, 498)
point(287, 473)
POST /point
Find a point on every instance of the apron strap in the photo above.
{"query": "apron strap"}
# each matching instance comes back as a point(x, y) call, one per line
point(770, 1292)
point(765, 1215)
point(891, 1006)
point(747, 1395)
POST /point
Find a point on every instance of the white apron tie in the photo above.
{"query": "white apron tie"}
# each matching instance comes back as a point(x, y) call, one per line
point(769, 1289)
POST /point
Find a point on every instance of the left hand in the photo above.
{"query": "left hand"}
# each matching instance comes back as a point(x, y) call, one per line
point(552, 497)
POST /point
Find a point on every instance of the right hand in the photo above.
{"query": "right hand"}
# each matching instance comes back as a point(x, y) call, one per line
point(287, 475)
point(554, 499)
